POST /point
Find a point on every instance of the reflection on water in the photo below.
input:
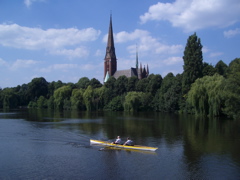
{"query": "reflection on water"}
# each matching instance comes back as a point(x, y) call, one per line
point(188, 147)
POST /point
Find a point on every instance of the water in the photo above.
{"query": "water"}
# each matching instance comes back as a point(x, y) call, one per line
point(55, 145)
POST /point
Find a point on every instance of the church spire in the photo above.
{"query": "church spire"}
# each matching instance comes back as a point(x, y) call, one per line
point(110, 51)
point(110, 60)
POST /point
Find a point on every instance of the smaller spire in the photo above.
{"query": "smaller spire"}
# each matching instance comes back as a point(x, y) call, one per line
point(136, 57)
point(147, 70)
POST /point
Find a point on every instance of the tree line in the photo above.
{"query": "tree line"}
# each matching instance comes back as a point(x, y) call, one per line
point(202, 89)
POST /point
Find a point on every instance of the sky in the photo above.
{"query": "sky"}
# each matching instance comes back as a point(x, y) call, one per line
point(66, 39)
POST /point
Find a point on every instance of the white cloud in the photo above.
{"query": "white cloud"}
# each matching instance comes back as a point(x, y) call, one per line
point(59, 67)
point(28, 3)
point(67, 67)
point(88, 67)
point(192, 15)
point(145, 43)
point(99, 53)
point(19, 63)
point(173, 60)
point(148, 44)
point(205, 49)
point(72, 53)
point(55, 41)
point(2, 62)
point(232, 33)
point(124, 36)
point(215, 54)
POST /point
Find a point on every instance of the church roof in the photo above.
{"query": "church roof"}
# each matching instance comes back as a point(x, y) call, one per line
point(128, 73)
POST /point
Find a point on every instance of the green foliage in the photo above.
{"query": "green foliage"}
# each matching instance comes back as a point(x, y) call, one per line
point(167, 97)
point(37, 87)
point(77, 101)
point(83, 83)
point(221, 68)
point(9, 98)
point(110, 83)
point(142, 84)
point(154, 83)
point(108, 95)
point(32, 104)
point(42, 102)
point(205, 95)
point(95, 83)
point(88, 98)
point(120, 85)
point(193, 62)
point(98, 95)
point(232, 90)
point(61, 94)
point(131, 84)
point(116, 104)
point(50, 103)
point(135, 101)
point(208, 69)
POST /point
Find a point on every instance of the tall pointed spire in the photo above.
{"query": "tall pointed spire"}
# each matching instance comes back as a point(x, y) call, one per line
point(110, 51)
point(110, 60)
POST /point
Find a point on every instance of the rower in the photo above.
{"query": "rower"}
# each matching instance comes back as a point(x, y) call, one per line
point(118, 140)
point(129, 142)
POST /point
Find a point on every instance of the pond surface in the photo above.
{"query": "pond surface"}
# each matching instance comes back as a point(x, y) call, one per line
point(55, 145)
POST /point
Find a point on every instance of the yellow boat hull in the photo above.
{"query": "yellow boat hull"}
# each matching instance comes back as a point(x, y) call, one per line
point(136, 147)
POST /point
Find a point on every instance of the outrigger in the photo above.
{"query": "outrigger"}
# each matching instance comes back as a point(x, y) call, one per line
point(136, 147)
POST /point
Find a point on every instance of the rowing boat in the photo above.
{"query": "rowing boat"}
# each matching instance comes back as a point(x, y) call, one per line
point(136, 147)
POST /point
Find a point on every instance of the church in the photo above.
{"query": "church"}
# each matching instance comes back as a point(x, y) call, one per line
point(110, 62)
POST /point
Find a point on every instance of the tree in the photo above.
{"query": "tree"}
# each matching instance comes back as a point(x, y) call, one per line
point(88, 98)
point(60, 95)
point(98, 97)
point(53, 86)
point(77, 101)
point(221, 68)
point(83, 83)
point(205, 95)
point(232, 90)
point(120, 85)
point(9, 98)
point(193, 65)
point(72, 85)
point(37, 87)
point(110, 82)
point(22, 92)
point(167, 97)
point(132, 101)
point(108, 95)
point(154, 84)
point(42, 102)
point(95, 83)
point(208, 69)
point(135, 101)
point(58, 84)
point(142, 84)
point(131, 84)
point(50, 103)
point(116, 104)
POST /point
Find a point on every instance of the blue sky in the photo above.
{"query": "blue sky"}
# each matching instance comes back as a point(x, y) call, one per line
point(66, 40)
